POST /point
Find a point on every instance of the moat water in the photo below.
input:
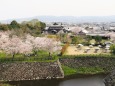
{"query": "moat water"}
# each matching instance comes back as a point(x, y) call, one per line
point(94, 80)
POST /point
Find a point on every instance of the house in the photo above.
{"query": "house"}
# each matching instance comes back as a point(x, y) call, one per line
point(79, 30)
point(101, 34)
point(54, 29)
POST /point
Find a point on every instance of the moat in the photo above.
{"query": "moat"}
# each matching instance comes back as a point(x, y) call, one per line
point(92, 80)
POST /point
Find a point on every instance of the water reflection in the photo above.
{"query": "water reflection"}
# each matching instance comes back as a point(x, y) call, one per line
point(96, 80)
point(86, 81)
point(35, 83)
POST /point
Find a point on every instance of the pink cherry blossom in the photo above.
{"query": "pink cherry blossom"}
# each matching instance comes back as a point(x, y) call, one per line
point(14, 45)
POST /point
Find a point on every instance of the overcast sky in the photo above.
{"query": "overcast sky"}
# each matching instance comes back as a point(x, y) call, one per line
point(28, 8)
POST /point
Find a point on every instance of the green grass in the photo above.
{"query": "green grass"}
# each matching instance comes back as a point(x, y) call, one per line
point(68, 71)
point(6, 85)
point(42, 56)
point(92, 41)
point(81, 70)
point(89, 70)
point(2, 54)
point(89, 56)
point(30, 59)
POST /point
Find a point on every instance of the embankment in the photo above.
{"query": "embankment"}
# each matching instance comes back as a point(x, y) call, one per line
point(17, 71)
point(90, 65)
point(110, 79)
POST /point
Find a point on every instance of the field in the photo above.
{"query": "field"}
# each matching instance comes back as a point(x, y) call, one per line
point(73, 50)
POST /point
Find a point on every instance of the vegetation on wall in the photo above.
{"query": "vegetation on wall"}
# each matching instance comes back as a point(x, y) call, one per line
point(89, 56)
point(81, 70)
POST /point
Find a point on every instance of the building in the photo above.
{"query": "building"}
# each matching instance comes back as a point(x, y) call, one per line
point(54, 29)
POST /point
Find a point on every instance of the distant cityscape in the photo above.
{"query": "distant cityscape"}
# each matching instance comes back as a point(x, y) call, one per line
point(92, 29)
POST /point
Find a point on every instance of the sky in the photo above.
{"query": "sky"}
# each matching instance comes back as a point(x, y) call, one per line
point(11, 9)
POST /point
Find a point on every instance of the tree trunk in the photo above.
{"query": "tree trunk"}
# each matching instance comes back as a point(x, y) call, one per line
point(49, 54)
point(35, 53)
point(24, 55)
point(13, 56)
point(50, 57)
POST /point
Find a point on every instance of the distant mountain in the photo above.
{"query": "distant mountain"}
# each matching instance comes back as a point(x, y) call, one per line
point(68, 19)
point(76, 19)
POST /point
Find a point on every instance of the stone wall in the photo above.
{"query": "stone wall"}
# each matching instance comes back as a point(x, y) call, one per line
point(46, 70)
point(110, 79)
point(30, 71)
point(108, 64)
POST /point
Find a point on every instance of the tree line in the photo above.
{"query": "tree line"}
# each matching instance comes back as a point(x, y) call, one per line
point(34, 27)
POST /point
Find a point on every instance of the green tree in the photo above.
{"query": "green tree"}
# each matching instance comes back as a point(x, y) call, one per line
point(87, 39)
point(4, 27)
point(14, 24)
point(112, 48)
point(35, 26)
point(98, 38)
point(63, 37)
point(76, 40)
point(43, 25)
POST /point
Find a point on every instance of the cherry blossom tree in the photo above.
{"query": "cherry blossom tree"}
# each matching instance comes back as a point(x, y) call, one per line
point(3, 40)
point(25, 48)
point(51, 45)
point(14, 45)
point(36, 44)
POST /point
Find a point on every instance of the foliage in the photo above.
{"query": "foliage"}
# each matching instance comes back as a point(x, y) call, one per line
point(89, 56)
point(2, 54)
point(92, 41)
point(3, 27)
point(34, 27)
point(3, 84)
point(112, 48)
point(63, 37)
point(103, 41)
point(89, 70)
point(42, 57)
point(98, 38)
point(29, 59)
point(14, 24)
point(81, 70)
point(87, 40)
point(68, 71)
point(77, 40)
point(27, 45)
point(51, 36)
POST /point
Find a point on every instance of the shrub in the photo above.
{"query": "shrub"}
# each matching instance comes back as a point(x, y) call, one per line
point(112, 48)
point(89, 56)
point(98, 39)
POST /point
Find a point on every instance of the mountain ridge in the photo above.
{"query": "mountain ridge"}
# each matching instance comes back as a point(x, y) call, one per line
point(68, 19)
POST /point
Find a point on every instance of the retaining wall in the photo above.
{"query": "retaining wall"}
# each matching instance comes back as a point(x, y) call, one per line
point(30, 71)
